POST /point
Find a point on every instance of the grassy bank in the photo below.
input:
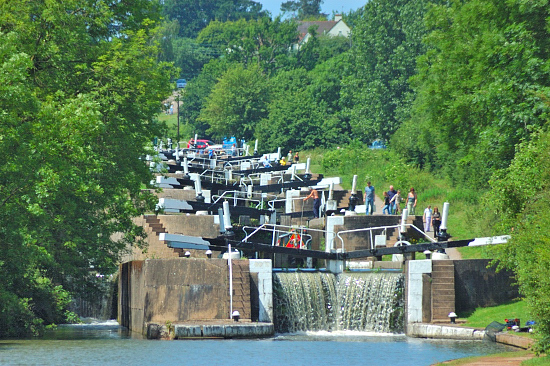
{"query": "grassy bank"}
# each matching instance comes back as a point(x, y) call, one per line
point(481, 317)
point(383, 169)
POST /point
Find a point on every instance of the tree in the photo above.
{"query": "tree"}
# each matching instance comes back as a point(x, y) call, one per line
point(237, 102)
point(520, 198)
point(80, 86)
point(386, 44)
point(193, 15)
point(263, 42)
point(304, 110)
point(481, 86)
point(304, 8)
point(196, 93)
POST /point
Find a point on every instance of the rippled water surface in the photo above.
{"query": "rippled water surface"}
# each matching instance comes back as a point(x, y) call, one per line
point(108, 344)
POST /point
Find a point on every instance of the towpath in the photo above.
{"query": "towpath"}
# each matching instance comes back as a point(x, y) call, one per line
point(512, 360)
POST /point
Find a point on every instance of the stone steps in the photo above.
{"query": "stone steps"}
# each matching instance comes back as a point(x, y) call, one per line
point(443, 290)
point(160, 248)
point(241, 289)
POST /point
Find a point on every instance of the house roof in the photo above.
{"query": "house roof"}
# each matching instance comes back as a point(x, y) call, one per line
point(323, 27)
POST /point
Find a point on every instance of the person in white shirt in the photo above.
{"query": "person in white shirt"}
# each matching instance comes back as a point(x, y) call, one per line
point(427, 218)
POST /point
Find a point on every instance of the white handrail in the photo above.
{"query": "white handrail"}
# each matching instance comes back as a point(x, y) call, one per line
point(370, 229)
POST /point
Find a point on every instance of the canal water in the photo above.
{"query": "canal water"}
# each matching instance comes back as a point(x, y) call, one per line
point(108, 344)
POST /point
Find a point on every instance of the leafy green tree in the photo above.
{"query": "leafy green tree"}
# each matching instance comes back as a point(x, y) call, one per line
point(78, 97)
point(195, 15)
point(304, 110)
point(303, 8)
point(237, 102)
point(263, 42)
point(308, 54)
point(386, 41)
point(481, 86)
point(520, 199)
point(186, 53)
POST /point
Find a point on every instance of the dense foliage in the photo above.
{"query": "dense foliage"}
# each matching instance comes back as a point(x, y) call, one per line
point(79, 85)
point(482, 87)
point(194, 15)
point(458, 88)
point(521, 198)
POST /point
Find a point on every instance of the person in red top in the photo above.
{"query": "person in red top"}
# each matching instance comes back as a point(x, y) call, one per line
point(316, 201)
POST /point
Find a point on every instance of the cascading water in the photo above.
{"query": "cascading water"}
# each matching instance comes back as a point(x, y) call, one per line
point(348, 301)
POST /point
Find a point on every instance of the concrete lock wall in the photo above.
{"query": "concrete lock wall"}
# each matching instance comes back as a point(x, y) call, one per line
point(477, 286)
point(202, 226)
point(262, 281)
point(177, 194)
point(173, 290)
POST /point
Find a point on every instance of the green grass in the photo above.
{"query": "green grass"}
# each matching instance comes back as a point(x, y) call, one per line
point(482, 317)
point(383, 168)
point(474, 252)
point(537, 361)
point(170, 119)
point(170, 122)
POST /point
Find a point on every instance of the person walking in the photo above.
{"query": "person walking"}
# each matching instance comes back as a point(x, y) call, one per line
point(369, 199)
point(436, 220)
point(387, 204)
point(395, 202)
point(427, 218)
point(411, 201)
point(316, 201)
point(391, 193)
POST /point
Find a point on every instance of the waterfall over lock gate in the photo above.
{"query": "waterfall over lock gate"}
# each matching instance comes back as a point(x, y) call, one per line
point(349, 301)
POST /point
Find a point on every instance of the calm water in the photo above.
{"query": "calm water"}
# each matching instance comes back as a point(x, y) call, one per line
point(108, 344)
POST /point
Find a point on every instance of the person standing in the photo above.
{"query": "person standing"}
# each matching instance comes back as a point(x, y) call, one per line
point(427, 218)
point(386, 203)
point(436, 220)
point(369, 199)
point(296, 158)
point(411, 201)
point(391, 193)
point(316, 201)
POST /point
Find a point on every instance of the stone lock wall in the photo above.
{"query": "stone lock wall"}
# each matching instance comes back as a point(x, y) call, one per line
point(180, 290)
point(477, 285)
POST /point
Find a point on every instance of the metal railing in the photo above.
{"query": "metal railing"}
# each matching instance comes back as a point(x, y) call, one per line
point(276, 229)
point(242, 196)
point(384, 228)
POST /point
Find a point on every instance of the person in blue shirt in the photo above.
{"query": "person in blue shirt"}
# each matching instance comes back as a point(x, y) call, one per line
point(369, 199)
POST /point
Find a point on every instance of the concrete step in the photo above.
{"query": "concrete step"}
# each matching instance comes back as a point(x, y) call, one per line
point(445, 292)
point(443, 282)
point(441, 286)
point(151, 219)
point(157, 228)
point(443, 302)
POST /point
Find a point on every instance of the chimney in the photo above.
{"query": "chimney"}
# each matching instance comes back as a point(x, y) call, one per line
point(337, 17)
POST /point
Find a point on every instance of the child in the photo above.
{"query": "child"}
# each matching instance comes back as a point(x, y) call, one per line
point(386, 203)
point(397, 199)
